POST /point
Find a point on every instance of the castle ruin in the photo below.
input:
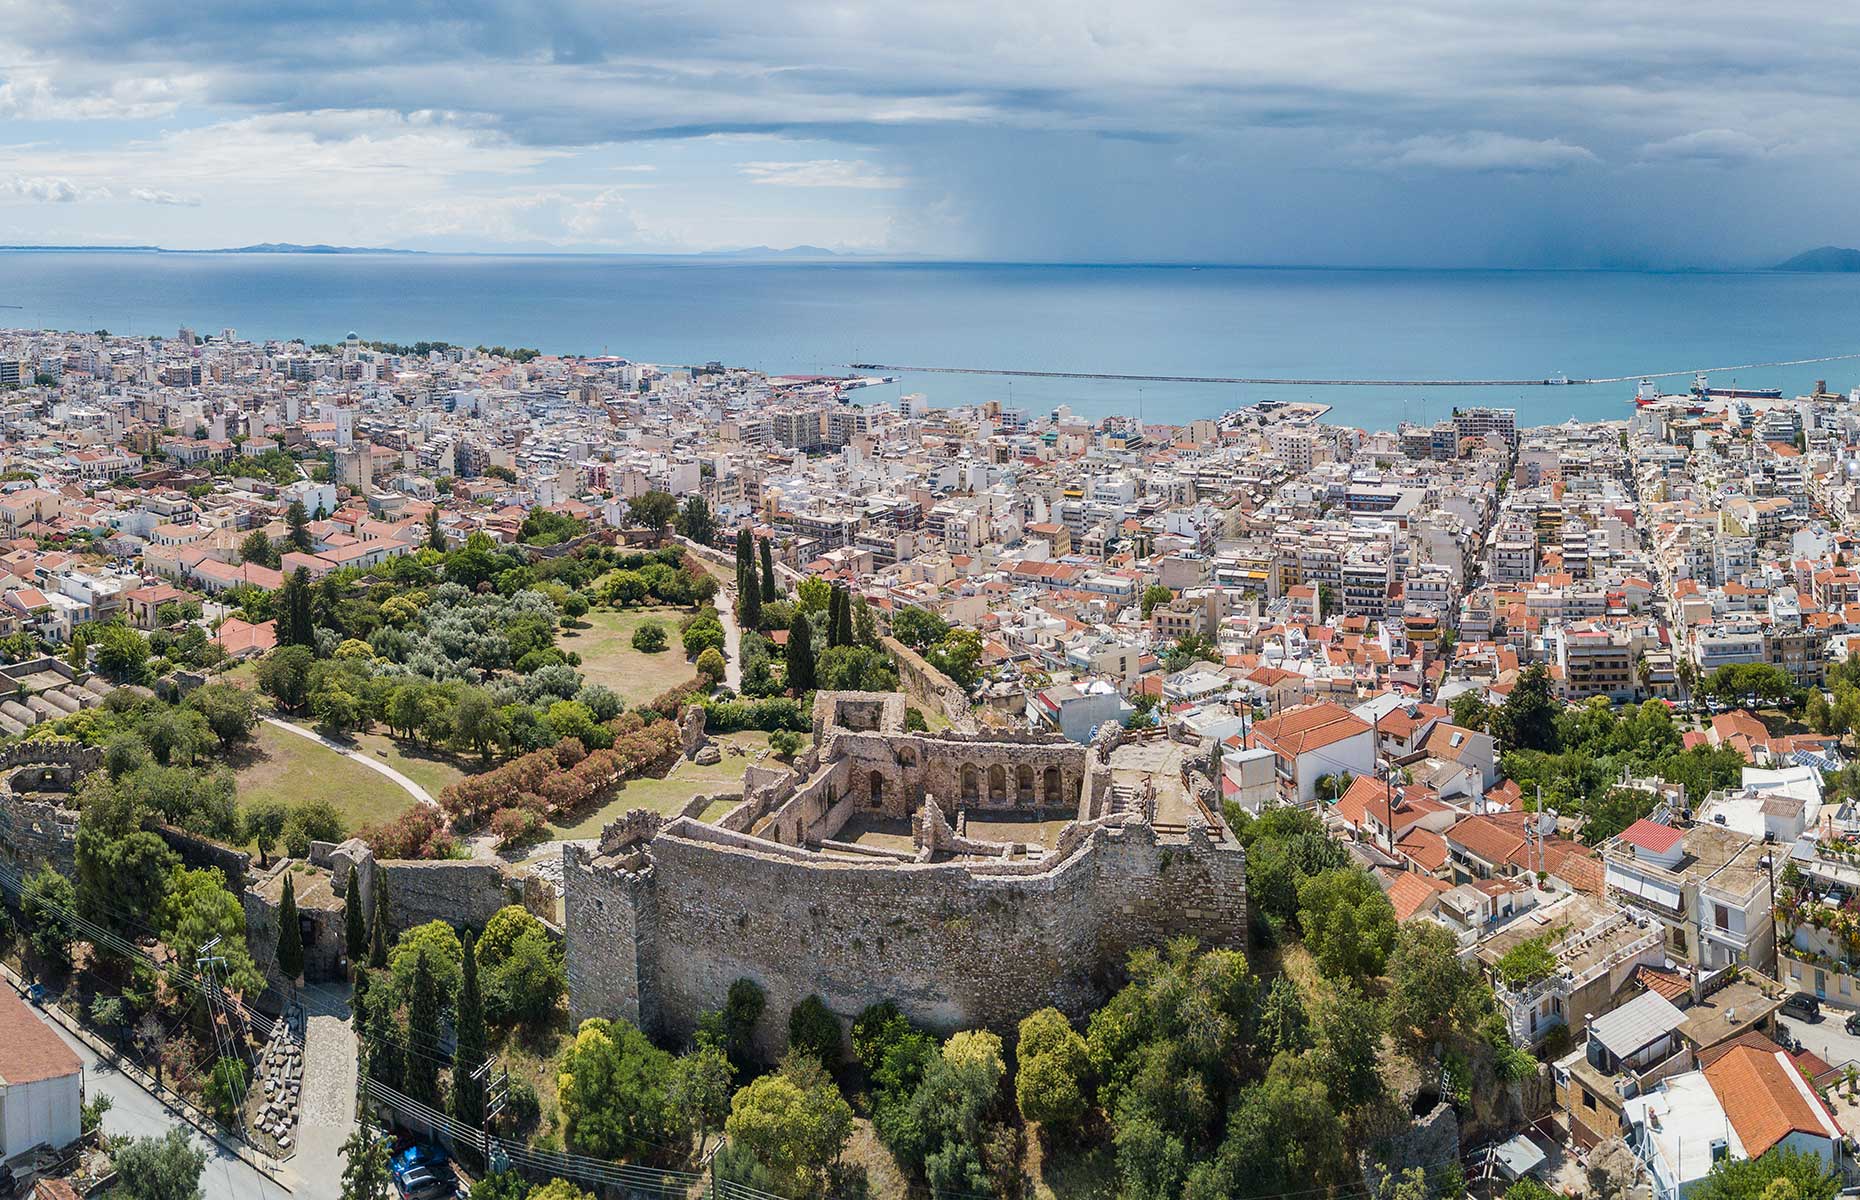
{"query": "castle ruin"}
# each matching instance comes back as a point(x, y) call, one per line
point(969, 877)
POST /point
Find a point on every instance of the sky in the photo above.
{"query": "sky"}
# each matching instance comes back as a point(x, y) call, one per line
point(1432, 133)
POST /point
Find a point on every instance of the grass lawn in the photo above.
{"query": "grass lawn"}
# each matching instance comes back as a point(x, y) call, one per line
point(666, 795)
point(284, 767)
point(433, 770)
point(605, 644)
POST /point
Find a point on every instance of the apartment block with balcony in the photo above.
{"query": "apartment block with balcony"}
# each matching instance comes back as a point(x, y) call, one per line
point(1706, 886)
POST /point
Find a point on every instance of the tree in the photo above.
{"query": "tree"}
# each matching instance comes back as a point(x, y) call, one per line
point(121, 651)
point(694, 520)
point(435, 944)
point(354, 924)
point(158, 1168)
point(769, 592)
point(918, 628)
point(257, 548)
point(298, 518)
point(1349, 1044)
point(1283, 1135)
point(423, 1011)
point(225, 1088)
point(650, 637)
point(654, 510)
point(1154, 595)
point(435, 536)
point(697, 1093)
point(710, 665)
point(1054, 1069)
point(613, 1086)
point(1527, 719)
point(1348, 923)
point(813, 1029)
point(959, 656)
point(842, 624)
point(468, 1056)
point(122, 867)
point(290, 936)
point(284, 675)
point(1469, 710)
point(1284, 1026)
point(1432, 993)
point(800, 655)
point(1778, 1174)
point(228, 709)
point(46, 902)
point(749, 600)
point(379, 937)
point(198, 908)
point(835, 598)
point(365, 1173)
point(794, 1121)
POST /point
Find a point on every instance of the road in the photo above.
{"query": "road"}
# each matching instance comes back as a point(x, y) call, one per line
point(412, 789)
point(1827, 1037)
point(135, 1113)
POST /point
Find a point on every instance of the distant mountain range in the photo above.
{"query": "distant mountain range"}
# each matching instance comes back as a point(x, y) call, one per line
point(1823, 258)
point(321, 248)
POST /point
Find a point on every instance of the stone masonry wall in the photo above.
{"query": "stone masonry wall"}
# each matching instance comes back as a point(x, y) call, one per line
point(929, 685)
point(459, 892)
point(34, 833)
point(658, 935)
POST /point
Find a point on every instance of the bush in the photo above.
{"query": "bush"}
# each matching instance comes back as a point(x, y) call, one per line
point(785, 742)
point(710, 664)
point(650, 638)
point(513, 825)
point(814, 1029)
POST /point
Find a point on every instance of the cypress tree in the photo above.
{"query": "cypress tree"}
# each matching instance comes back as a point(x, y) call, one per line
point(800, 655)
point(435, 536)
point(834, 599)
point(422, 1071)
point(358, 1008)
point(768, 574)
point(742, 560)
point(468, 1054)
point(749, 600)
point(299, 520)
point(378, 945)
point(290, 935)
point(843, 632)
point(354, 925)
point(386, 1061)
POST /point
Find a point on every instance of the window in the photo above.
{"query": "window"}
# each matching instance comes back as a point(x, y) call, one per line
point(1722, 916)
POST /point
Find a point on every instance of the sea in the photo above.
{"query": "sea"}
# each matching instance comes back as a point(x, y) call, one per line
point(817, 317)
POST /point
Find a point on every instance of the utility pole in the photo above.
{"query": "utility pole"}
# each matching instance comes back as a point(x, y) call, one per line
point(496, 1096)
point(211, 968)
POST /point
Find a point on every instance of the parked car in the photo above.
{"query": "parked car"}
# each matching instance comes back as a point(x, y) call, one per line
point(1853, 1023)
point(427, 1183)
point(1803, 1005)
point(417, 1156)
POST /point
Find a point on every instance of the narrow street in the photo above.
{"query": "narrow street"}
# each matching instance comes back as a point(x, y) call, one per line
point(135, 1113)
point(328, 1114)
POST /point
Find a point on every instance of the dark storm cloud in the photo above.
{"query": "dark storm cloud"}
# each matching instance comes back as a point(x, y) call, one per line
point(1432, 131)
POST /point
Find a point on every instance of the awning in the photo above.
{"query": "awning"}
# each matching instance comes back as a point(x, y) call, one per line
point(1658, 891)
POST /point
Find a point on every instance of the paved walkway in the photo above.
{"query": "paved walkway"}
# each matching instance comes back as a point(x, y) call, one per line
point(380, 768)
point(328, 1114)
point(732, 640)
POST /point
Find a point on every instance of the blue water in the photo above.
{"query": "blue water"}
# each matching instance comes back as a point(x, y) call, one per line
point(816, 317)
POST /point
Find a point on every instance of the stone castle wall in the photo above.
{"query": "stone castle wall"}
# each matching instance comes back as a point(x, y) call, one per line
point(657, 931)
point(929, 685)
point(37, 830)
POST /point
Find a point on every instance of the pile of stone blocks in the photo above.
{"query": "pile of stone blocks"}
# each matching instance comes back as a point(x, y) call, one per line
point(281, 1076)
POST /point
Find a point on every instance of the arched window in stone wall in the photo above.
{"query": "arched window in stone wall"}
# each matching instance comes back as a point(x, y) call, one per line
point(971, 782)
point(1023, 784)
point(1052, 788)
point(997, 783)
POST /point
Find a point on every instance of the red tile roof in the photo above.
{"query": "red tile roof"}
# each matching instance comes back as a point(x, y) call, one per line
point(29, 1050)
point(1651, 836)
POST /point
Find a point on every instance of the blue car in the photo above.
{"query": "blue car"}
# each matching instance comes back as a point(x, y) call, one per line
point(418, 1157)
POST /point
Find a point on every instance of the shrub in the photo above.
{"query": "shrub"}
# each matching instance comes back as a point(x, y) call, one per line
point(710, 664)
point(813, 1028)
point(650, 638)
point(785, 742)
point(513, 825)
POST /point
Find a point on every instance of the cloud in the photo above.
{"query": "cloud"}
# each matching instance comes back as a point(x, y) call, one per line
point(821, 173)
point(1483, 151)
point(1718, 146)
point(158, 196)
point(51, 189)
